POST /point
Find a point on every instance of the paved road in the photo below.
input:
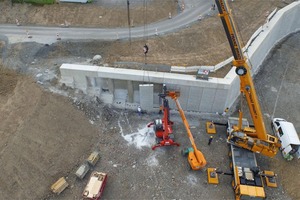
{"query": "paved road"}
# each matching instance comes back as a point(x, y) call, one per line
point(193, 9)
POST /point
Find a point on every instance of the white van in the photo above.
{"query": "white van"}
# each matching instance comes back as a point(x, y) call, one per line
point(288, 136)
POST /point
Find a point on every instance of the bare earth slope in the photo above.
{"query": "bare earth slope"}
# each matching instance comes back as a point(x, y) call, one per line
point(42, 137)
point(95, 14)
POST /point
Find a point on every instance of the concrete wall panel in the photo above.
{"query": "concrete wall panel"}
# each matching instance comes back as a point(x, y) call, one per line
point(146, 96)
point(184, 96)
point(207, 99)
point(157, 89)
point(220, 100)
point(136, 92)
point(195, 95)
point(120, 91)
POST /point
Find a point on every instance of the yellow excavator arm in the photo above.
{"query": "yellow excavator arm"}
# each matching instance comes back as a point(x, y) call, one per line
point(256, 140)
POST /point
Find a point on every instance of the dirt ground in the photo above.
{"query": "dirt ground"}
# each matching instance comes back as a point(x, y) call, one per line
point(47, 131)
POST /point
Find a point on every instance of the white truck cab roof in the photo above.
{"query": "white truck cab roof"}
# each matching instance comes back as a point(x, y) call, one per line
point(288, 135)
point(289, 130)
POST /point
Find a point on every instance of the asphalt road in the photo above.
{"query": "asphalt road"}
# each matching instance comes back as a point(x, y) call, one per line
point(193, 9)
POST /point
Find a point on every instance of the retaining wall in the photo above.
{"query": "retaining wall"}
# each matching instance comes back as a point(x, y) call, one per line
point(129, 88)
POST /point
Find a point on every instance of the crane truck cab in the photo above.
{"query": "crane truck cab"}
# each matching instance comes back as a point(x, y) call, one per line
point(288, 136)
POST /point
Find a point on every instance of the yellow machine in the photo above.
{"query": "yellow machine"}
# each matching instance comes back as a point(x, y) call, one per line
point(245, 141)
point(195, 157)
point(257, 139)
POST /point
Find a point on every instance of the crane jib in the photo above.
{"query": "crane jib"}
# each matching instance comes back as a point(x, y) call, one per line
point(235, 47)
point(253, 105)
point(222, 6)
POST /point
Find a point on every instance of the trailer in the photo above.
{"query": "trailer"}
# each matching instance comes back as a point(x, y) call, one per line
point(248, 179)
point(95, 186)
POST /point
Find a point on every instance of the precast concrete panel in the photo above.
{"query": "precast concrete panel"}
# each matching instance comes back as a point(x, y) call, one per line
point(156, 99)
point(98, 82)
point(194, 99)
point(130, 91)
point(104, 83)
point(172, 104)
point(120, 91)
point(120, 96)
point(146, 96)
point(136, 85)
point(234, 92)
point(136, 92)
point(184, 96)
point(206, 102)
point(90, 81)
point(219, 102)
point(136, 96)
point(283, 23)
point(120, 84)
point(111, 85)
point(270, 38)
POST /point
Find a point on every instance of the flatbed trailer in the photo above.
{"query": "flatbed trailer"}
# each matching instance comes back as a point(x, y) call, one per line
point(247, 180)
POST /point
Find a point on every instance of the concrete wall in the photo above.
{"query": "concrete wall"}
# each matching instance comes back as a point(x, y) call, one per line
point(135, 87)
point(279, 25)
point(130, 88)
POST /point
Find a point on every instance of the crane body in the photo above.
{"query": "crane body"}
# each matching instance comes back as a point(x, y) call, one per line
point(257, 139)
point(244, 140)
point(196, 158)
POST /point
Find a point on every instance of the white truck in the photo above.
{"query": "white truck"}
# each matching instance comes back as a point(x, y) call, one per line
point(288, 136)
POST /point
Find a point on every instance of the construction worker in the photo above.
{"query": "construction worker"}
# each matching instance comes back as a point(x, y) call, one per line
point(160, 110)
point(146, 49)
point(225, 111)
point(211, 125)
point(210, 140)
point(139, 110)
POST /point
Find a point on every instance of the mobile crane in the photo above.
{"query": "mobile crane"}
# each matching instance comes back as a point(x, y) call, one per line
point(163, 127)
point(196, 158)
point(254, 139)
point(245, 141)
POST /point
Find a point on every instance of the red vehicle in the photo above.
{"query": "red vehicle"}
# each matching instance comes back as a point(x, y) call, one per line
point(163, 127)
point(94, 188)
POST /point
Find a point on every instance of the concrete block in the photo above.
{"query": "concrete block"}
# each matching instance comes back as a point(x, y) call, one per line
point(146, 96)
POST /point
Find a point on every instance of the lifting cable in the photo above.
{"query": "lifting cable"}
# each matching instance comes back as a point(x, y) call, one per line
point(145, 48)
